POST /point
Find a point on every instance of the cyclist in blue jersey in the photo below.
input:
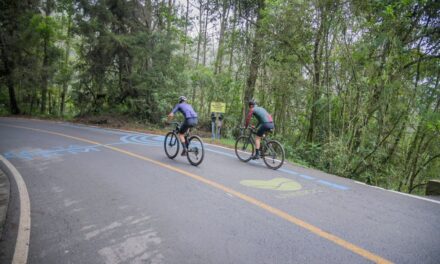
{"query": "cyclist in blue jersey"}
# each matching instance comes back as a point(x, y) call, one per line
point(190, 120)
point(265, 123)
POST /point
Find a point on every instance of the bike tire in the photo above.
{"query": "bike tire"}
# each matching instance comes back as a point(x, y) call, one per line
point(196, 150)
point(242, 146)
point(171, 142)
point(274, 155)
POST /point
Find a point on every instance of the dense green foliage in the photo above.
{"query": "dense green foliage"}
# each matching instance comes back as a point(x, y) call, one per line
point(352, 85)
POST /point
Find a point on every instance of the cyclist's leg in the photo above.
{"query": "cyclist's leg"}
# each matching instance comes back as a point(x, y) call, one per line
point(183, 128)
point(258, 136)
point(187, 124)
point(190, 123)
point(258, 142)
point(268, 127)
point(263, 128)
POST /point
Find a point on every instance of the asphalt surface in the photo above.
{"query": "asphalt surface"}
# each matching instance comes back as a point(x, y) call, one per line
point(4, 199)
point(131, 204)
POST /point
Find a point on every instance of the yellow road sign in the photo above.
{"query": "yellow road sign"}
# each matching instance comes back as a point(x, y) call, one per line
point(218, 107)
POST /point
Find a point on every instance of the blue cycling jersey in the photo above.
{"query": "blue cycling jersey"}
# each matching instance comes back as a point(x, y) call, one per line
point(185, 109)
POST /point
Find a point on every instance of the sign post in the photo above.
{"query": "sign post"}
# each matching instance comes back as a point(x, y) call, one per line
point(217, 110)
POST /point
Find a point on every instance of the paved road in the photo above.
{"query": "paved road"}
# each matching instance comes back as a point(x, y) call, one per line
point(107, 196)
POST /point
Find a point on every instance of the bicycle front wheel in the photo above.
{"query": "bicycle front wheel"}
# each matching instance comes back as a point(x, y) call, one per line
point(196, 151)
point(244, 149)
point(273, 156)
point(171, 145)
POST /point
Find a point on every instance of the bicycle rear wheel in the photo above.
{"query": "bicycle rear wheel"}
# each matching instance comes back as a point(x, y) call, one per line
point(171, 145)
point(273, 155)
point(244, 148)
point(196, 151)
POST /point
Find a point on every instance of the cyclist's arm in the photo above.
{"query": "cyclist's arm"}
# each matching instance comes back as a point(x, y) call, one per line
point(248, 118)
point(175, 109)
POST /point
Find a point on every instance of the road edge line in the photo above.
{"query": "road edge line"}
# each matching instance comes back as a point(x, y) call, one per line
point(21, 250)
point(397, 192)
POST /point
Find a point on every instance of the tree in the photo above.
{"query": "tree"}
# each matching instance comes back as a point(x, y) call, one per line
point(13, 22)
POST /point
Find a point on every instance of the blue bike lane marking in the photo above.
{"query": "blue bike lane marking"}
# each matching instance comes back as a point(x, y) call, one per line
point(141, 139)
point(55, 152)
point(157, 140)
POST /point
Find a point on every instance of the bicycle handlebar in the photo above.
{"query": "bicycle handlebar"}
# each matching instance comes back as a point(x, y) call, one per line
point(252, 129)
point(249, 127)
point(173, 123)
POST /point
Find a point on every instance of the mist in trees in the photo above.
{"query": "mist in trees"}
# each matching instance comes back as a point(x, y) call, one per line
point(352, 85)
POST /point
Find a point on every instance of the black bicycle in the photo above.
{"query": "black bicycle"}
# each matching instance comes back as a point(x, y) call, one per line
point(272, 152)
point(195, 152)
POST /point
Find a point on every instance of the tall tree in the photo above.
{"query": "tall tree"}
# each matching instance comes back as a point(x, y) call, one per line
point(256, 52)
point(46, 31)
point(223, 23)
point(14, 19)
point(66, 7)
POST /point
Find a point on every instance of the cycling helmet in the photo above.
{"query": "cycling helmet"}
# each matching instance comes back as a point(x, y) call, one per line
point(252, 102)
point(182, 99)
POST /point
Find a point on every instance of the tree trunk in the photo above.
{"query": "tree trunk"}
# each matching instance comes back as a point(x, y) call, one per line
point(199, 40)
point(12, 99)
point(45, 70)
point(66, 63)
point(186, 26)
point(205, 36)
point(232, 44)
point(49, 102)
point(317, 54)
point(170, 14)
point(8, 69)
point(219, 58)
point(256, 55)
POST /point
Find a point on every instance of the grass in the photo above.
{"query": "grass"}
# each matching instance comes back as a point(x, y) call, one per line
point(225, 142)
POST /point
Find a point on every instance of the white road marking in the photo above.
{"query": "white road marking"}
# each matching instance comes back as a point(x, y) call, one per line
point(24, 225)
point(414, 196)
point(401, 193)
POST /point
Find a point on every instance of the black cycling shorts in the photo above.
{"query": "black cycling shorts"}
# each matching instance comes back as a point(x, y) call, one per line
point(190, 122)
point(263, 128)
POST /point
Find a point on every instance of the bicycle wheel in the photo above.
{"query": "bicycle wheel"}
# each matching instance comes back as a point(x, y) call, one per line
point(171, 145)
point(244, 148)
point(196, 151)
point(273, 155)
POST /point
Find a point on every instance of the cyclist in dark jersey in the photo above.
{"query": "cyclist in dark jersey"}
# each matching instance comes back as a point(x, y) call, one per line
point(265, 123)
point(190, 120)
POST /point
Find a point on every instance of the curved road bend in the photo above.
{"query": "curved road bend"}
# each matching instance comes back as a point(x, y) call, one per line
point(107, 196)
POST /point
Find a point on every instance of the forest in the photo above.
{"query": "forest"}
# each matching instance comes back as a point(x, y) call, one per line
point(353, 86)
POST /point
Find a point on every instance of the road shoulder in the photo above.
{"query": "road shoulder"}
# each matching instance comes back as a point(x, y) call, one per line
point(4, 199)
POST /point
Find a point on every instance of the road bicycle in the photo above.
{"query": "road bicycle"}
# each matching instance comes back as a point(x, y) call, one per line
point(195, 150)
point(272, 152)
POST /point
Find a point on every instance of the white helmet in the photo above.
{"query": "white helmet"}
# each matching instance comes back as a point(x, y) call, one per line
point(182, 99)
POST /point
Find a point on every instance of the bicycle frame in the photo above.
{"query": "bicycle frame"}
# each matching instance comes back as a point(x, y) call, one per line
point(176, 130)
point(193, 145)
point(263, 142)
point(272, 151)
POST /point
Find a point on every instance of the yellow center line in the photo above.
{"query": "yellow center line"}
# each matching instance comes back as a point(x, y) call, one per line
point(315, 230)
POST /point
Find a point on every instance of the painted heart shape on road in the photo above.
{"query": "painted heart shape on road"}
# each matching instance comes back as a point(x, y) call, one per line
point(277, 184)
